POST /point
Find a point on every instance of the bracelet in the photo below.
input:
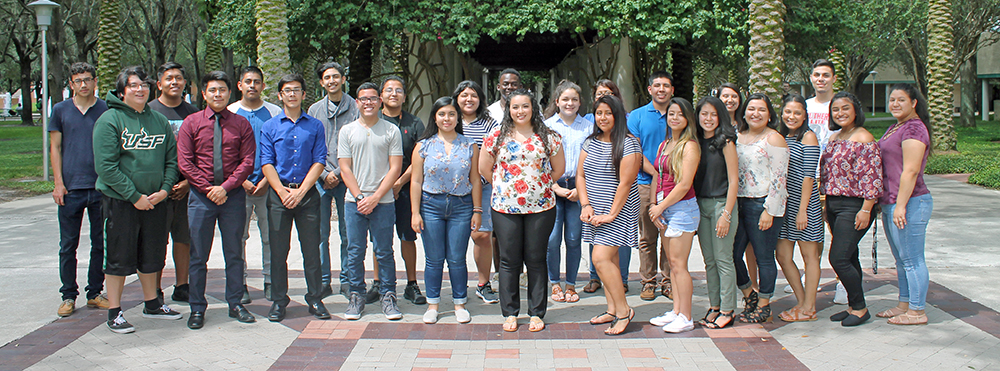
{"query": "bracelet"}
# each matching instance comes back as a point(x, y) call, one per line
point(865, 211)
point(585, 205)
point(480, 212)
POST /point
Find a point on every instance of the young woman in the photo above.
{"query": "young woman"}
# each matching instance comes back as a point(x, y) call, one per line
point(601, 88)
point(564, 118)
point(851, 179)
point(763, 158)
point(609, 163)
point(476, 124)
point(445, 198)
point(716, 184)
point(805, 226)
point(676, 210)
point(730, 94)
point(522, 159)
point(906, 202)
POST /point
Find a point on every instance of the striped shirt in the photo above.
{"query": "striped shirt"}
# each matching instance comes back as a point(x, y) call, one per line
point(802, 161)
point(573, 136)
point(479, 129)
point(601, 186)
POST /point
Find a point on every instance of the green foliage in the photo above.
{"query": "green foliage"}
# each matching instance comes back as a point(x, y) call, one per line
point(21, 157)
point(988, 177)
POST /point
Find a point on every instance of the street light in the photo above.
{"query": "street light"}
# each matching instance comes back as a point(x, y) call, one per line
point(43, 16)
point(873, 73)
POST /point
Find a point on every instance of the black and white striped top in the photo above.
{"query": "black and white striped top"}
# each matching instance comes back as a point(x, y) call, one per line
point(479, 129)
point(802, 163)
point(601, 185)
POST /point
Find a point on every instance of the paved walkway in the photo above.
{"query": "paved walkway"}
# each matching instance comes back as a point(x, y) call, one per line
point(964, 333)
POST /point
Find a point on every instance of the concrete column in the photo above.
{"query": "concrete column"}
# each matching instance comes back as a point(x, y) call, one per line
point(887, 92)
point(986, 100)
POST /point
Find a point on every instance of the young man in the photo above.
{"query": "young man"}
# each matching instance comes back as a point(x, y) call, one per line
point(71, 132)
point(649, 124)
point(393, 95)
point(135, 156)
point(171, 81)
point(257, 111)
point(335, 110)
point(822, 78)
point(509, 81)
point(215, 153)
point(371, 157)
point(292, 154)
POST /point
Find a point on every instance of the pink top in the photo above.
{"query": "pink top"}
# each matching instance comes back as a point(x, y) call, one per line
point(851, 169)
point(667, 182)
point(891, 146)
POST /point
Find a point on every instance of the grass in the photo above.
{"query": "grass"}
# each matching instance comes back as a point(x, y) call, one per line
point(21, 159)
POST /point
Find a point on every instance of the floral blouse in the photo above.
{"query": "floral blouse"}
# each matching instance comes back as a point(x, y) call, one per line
point(851, 169)
point(447, 173)
point(522, 174)
point(763, 171)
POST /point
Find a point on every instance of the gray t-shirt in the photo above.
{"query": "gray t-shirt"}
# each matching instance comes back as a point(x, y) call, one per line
point(369, 150)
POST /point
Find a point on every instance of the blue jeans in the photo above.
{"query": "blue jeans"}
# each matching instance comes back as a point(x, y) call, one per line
point(327, 197)
point(568, 224)
point(907, 246)
point(624, 258)
point(70, 220)
point(379, 223)
point(447, 228)
point(764, 244)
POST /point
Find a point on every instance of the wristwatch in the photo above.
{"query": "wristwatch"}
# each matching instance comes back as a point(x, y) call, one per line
point(359, 197)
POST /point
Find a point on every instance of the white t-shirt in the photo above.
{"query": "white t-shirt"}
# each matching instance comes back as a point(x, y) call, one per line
point(369, 150)
point(819, 121)
point(271, 107)
point(496, 111)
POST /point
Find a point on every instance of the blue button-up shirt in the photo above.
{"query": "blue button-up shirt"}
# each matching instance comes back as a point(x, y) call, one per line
point(292, 147)
point(573, 136)
point(650, 126)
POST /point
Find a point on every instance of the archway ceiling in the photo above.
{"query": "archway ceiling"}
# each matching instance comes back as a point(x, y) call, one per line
point(534, 52)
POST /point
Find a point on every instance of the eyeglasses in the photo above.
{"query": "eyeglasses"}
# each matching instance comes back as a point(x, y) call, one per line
point(85, 80)
point(292, 91)
point(399, 91)
point(138, 86)
point(368, 99)
point(603, 93)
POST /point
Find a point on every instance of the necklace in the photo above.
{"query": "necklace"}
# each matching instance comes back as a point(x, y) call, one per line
point(755, 139)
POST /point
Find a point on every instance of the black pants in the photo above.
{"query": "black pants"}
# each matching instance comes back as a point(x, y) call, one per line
point(75, 203)
point(523, 242)
point(306, 218)
point(840, 214)
point(203, 215)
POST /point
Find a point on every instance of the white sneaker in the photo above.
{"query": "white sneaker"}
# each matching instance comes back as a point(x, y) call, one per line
point(680, 324)
point(431, 316)
point(840, 297)
point(788, 289)
point(463, 315)
point(664, 319)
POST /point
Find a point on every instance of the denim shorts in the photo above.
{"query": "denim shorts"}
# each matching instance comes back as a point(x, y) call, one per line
point(487, 225)
point(680, 217)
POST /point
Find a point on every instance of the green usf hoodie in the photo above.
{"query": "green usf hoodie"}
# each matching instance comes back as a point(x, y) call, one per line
point(135, 153)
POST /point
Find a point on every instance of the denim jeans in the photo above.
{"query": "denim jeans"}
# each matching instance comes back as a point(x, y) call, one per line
point(624, 258)
point(328, 197)
point(447, 228)
point(568, 224)
point(203, 216)
point(764, 244)
point(70, 221)
point(379, 223)
point(907, 246)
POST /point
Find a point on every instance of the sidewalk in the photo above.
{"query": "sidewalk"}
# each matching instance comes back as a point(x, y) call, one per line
point(964, 333)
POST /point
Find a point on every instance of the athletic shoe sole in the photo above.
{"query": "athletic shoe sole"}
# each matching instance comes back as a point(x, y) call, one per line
point(162, 316)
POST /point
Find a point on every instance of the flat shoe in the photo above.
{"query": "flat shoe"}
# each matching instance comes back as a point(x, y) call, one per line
point(839, 316)
point(853, 320)
point(510, 324)
point(891, 312)
point(571, 295)
point(557, 294)
point(536, 324)
point(906, 319)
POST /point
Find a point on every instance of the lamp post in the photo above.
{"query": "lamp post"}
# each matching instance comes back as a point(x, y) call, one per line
point(43, 16)
point(873, 73)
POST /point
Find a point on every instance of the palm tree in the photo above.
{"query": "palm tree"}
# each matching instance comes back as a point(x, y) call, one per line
point(839, 61)
point(940, 73)
point(109, 49)
point(767, 47)
point(272, 42)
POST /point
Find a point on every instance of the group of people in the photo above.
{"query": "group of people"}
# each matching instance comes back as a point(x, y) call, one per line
point(726, 169)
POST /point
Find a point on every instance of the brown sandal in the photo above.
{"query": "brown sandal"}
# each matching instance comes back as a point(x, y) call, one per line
point(796, 315)
point(557, 294)
point(592, 286)
point(892, 312)
point(909, 319)
point(535, 324)
point(571, 295)
point(510, 324)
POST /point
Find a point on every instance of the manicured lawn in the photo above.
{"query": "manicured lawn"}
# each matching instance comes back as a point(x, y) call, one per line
point(21, 159)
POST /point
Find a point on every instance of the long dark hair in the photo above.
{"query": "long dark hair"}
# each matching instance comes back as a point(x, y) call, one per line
point(481, 111)
point(432, 128)
point(724, 132)
point(782, 128)
point(772, 118)
point(537, 125)
point(921, 107)
point(618, 133)
point(859, 113)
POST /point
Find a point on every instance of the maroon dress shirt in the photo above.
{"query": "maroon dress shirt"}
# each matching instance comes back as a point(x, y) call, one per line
point(195, 145)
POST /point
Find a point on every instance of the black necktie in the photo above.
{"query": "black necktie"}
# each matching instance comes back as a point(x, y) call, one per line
point(217, 152)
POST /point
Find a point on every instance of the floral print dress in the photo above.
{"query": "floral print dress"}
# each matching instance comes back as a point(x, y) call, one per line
point(522, 173)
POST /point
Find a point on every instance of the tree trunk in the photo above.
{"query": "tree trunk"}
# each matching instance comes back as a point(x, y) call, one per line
point(109, 48)
point(940, 91)
point(683, 72)
point(839, 61)
point(26, 106)
point(767, 47)
point(57, 67)
point(360, 70)
point(272, 44)
point(970, 86)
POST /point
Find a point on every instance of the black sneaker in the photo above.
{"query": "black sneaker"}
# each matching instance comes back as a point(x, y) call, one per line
point(180, 293)
point(486, 293)
point(372, 295)
point(163, 312)
point(120, 325)
point(413, 294)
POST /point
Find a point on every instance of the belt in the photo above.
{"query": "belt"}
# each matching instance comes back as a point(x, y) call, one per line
point(568, 183)
point(292, 185)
